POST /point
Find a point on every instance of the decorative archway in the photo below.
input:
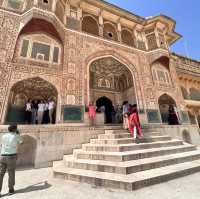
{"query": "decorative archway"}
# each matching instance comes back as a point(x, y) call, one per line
point(111, 78)
point(164, 102)
point(126, 62)
point(29, 89)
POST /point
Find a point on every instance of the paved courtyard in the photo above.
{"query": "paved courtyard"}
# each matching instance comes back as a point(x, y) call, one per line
point(40, 184)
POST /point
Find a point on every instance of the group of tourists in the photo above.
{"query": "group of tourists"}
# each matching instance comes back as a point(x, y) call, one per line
point(127, 114)
point(40, 112)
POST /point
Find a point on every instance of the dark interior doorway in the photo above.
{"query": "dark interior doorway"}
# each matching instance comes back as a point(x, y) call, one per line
point(165, 101)
point(109, 109)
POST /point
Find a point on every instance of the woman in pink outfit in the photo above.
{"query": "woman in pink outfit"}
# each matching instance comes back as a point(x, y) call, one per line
point(92, 113)
point(134, 123)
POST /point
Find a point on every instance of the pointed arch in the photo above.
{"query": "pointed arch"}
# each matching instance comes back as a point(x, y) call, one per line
point(110, 31)
point(90, 25)
point(164, 102)
point(123, 60)
point(34, 88)
point(127, 37)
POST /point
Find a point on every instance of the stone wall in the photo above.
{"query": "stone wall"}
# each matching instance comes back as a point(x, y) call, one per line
point(187, 133)
point(44, 144)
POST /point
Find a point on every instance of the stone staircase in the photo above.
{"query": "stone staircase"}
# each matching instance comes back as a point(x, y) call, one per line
point(114, 160)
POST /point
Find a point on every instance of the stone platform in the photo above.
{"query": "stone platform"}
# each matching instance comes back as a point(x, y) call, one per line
point(114, 160)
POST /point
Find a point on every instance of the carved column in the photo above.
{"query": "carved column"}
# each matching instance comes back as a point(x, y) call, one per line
point(119, 32)
point(67, 12)
point(54, 5)
point(145, 40)
point(157, 38)
point(35, 3)
point(100, 25)
point(79, 14)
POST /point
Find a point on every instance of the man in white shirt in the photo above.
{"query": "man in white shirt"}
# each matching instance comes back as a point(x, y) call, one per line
point(51, 109)
point(28, 111)
point(8, 159)
point(41, 107)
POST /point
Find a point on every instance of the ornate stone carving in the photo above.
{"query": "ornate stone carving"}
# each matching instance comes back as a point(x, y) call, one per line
point(71, 68)
point(71, 99)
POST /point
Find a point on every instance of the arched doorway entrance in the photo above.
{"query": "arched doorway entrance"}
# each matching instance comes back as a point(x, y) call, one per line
point(34, 89)
point(107, 105)
point(165, 101)
point(111, 78)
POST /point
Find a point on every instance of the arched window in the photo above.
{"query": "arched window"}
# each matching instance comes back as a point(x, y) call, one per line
point(90, 25)
point(194, 94)
point(108, 85)
point(165, 101)
point(45, 4)
point(127, 37)
point(161, 74)
point(110, 32)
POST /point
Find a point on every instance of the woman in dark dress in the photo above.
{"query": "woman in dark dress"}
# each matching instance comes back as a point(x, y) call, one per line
point(172, 118)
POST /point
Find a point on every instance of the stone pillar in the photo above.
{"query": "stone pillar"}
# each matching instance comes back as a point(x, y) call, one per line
point(67, 13)
point(54, 5)
point(145, 40)
point(35, 3)
point(67, 9)
point(157, 38)
point(79, 14)
point(100, 25)
point(59, 118)
point(119, 31)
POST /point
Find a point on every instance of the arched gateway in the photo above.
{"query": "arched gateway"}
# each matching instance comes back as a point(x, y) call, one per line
point(28, 89)
point(165, 101)
point(111, 79)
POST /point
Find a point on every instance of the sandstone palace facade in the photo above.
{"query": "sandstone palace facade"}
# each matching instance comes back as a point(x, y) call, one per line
point(77, 51)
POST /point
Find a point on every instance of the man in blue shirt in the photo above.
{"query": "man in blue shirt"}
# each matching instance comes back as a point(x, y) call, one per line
point(8, 158)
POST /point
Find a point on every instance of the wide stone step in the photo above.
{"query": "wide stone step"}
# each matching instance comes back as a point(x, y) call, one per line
point(130, 147)
point(114, 136)
point(131, 155)
point(129, 140)
point(133, 166)
point(116, 131)
point(111, 132)
point(126, 135)
point(128, 182)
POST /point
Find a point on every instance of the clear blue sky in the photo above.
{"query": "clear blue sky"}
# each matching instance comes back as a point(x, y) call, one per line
point(185, 12)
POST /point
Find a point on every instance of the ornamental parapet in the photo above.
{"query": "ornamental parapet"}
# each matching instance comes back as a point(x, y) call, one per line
point(186, 65)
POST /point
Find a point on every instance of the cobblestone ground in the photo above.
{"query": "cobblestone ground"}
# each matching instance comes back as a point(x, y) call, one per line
point(40, 184)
